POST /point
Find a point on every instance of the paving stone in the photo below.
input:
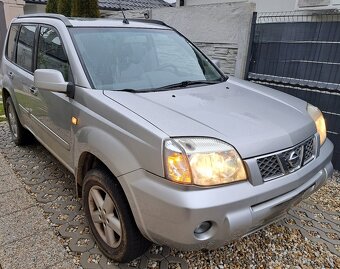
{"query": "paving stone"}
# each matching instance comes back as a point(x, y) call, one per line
point(316, 224)
point(35, 252)
point(4, 170)
point(9, 182)
point(21, 224)
point(14, 201)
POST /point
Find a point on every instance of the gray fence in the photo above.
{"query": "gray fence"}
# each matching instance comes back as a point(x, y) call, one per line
point(299, 54)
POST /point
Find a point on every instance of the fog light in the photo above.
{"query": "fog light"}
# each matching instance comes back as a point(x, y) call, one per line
point(203, 227)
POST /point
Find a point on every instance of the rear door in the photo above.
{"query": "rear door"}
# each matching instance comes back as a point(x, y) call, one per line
point(19, 70)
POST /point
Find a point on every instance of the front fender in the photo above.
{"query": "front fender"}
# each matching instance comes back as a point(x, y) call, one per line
point(112, 152)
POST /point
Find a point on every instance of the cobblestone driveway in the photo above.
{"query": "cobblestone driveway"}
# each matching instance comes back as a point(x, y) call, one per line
point(308, 238)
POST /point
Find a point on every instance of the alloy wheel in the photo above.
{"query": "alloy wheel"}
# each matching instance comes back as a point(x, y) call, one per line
point(105, 216)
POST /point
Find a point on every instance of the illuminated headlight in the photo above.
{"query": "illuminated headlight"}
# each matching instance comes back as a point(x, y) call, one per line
point(202, 161)
point(319, 120)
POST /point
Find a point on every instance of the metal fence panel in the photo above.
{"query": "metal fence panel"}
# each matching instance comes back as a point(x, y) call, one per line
point(300, 54)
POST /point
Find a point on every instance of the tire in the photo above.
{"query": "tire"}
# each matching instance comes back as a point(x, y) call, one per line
point(20, 135)
point(110, 217)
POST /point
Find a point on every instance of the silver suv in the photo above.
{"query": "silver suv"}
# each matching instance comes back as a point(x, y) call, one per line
point(164, 147)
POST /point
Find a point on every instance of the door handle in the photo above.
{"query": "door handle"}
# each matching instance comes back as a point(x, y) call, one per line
point(34, 91)
point(11, 75)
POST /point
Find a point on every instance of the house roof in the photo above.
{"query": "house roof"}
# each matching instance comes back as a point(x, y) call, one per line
point(132, 4)
point(125, 4)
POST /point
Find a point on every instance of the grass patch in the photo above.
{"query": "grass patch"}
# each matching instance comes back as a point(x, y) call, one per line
point(2, 113)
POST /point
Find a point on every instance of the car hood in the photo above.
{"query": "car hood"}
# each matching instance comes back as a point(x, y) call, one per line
point(254, 119)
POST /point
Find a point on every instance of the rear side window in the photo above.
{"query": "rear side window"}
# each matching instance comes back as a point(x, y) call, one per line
point(51, 54)
point(25, 46)
point(11, 43)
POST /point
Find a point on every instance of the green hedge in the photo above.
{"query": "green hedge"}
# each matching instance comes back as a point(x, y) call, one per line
point(52, 6)
point(88, 8)
point(64, 7)
point(74, 8)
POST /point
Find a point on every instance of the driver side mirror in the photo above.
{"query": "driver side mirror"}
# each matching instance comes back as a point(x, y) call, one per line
point(52, 80)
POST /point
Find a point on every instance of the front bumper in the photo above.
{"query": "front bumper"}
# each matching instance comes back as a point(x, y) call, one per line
point(168, 214)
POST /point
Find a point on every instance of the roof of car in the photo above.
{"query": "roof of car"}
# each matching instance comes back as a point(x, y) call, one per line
point(126, 4)
point(90, 22)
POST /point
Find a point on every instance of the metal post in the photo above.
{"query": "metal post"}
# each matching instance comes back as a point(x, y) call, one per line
point(250, 45)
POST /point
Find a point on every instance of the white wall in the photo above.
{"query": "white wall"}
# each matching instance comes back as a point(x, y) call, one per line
point(34, 8)
point(9, 10)
point(274, 5)
point(228, 23)
point(12, 8)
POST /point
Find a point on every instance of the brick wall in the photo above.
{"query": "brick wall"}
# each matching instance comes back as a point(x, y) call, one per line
point(225, 53)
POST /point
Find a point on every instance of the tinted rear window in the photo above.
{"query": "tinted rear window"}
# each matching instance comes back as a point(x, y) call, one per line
point(11, 43)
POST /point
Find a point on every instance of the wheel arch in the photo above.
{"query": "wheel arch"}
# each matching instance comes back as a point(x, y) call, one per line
point(86, 162)
point(94, 146)
point(5, 95)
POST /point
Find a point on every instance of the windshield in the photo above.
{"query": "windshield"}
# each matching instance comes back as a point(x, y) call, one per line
point(141, 59)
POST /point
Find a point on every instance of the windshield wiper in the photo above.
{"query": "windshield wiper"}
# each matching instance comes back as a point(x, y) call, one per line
point(128, 90)
point(187, 83)
point(182, 84)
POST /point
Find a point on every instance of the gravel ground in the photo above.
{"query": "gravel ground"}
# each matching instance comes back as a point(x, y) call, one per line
point(275, 246)
point(329, 196)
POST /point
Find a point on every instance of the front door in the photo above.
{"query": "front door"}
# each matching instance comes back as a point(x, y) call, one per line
point(51, 112)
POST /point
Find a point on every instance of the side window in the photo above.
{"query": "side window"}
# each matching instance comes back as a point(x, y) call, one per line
point(25, 46)
point(51, 54)
point(11, 43)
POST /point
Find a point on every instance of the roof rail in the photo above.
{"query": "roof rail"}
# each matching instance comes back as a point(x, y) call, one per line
point(64, 19)
point(150, 21)
point(67, 22)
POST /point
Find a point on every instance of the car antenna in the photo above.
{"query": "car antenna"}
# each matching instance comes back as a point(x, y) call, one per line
point(126, 21)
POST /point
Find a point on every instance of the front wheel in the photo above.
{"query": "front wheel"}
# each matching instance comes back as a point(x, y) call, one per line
point(110, 217)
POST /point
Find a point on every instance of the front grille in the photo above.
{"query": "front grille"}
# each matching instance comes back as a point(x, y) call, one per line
point(287, 161)
point(309, 151)
point(270, 167)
